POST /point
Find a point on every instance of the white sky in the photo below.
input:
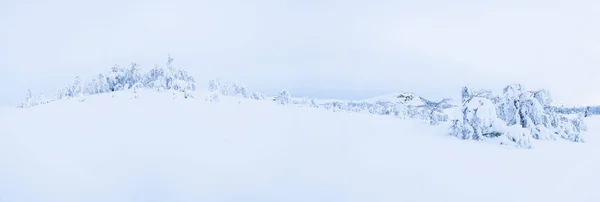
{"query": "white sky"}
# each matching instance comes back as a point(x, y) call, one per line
point(328, 49)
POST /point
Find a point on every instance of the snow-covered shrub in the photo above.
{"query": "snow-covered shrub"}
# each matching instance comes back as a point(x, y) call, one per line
point(213, 97)
point(240, 91)
point(187, 94)
point(137, 88)
point(257, 96)
point(232, 89)
point(283, 98)
point(214, 86)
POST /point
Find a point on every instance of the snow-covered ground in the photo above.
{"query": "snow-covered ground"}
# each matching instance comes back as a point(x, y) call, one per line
point(157, 148)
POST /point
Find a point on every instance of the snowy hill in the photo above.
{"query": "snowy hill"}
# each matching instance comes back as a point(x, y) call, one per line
point(157, 148)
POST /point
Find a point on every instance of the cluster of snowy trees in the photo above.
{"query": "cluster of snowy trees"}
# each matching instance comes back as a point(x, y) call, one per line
point(217, 88)
point(586, 111)
point(433, 112)
point(120, 79)
point(515, 117)
point(31, 101)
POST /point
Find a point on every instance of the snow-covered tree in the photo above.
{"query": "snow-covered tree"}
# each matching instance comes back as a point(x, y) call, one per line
point(102, 85)
point(28, 102)
point(76, 88)
point(283, 98)
point(240, 91)
point(214, 86)
point(531, 110)
point(518, 117)
point(434, 111)
point(480, 122)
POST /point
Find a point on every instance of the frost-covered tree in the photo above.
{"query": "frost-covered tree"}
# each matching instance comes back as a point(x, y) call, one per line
point(76, 88)
point(519, 116)
point(531, 110)
point(171, 78)
point(102, 85)
point(480, 122)
point(283, 98)
point(28, 101)
point(115, 79)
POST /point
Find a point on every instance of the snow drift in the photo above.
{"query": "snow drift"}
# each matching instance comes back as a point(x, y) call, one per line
point(162, 147)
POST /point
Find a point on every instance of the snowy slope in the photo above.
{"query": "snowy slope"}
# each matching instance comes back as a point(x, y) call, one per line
point(156, 148)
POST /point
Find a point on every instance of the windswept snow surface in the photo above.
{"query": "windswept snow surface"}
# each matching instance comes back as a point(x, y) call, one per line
point(156, 148)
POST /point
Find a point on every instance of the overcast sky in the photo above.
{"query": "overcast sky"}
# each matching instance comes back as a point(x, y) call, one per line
point(328, 49)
